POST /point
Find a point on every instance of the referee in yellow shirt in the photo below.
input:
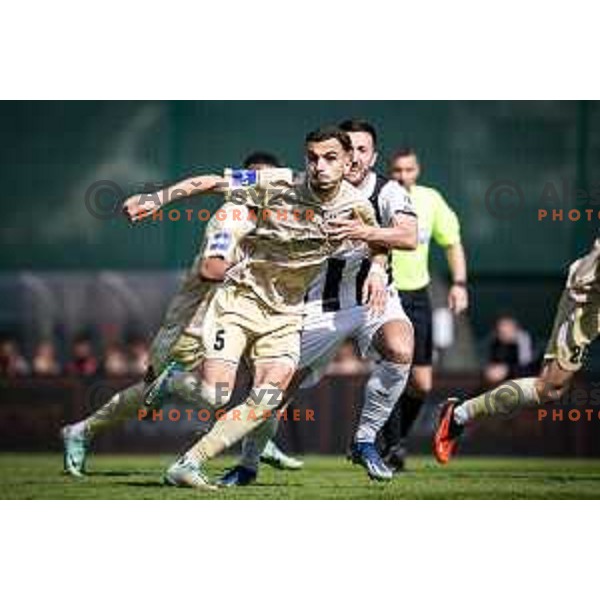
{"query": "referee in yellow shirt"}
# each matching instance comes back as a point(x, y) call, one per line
point(437, 221)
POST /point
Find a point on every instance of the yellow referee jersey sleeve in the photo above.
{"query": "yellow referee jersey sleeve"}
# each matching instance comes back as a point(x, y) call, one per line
point(445, 227)
point(437, 221)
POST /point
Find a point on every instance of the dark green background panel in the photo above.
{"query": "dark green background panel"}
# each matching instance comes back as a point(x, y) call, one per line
point(52, 152)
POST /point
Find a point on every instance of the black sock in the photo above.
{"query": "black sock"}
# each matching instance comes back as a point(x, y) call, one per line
point(400, 422)
point(411, 407)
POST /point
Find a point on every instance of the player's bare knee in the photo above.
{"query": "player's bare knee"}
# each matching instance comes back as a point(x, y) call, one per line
point(398, 342)
point(219, 372)
point(217, 395)
point(265, 399)
point(278, 373)
point(398, 351)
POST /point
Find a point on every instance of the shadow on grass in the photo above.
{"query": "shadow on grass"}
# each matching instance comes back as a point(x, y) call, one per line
point(254, 486)
point(119, 473)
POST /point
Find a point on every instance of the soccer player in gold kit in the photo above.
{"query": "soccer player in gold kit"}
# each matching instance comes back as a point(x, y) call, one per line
point(576, 325)
point(257, 313)
point(173, 342)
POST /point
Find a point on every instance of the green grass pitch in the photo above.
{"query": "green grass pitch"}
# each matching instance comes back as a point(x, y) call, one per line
point(138, 477)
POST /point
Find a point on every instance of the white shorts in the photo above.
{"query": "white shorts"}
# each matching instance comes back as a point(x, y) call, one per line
point(324, 332)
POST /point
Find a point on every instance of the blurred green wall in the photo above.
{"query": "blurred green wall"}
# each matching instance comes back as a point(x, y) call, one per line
point(52, 152)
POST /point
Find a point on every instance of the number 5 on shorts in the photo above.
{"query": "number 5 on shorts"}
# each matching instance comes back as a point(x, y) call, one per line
point(219, 340)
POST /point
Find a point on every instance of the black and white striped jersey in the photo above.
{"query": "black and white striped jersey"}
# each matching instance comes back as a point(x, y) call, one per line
point(339, 283)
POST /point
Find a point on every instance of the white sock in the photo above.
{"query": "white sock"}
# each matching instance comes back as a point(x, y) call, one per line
point(79, 428)
point(385, 386)
point(460, 415)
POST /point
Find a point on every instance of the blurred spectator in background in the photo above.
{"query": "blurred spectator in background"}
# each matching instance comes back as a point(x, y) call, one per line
point(115, 362)
point(347, 362)
point(138, 355)
point(44, 361)
point(12, 363)
point(83, 361)
point(510, 351)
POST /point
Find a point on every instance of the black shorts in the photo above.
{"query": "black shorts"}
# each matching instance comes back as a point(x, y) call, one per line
point(417, 306)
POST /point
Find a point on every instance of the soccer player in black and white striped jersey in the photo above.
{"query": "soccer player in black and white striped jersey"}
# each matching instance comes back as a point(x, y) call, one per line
point(335, 312)
point(390, 337)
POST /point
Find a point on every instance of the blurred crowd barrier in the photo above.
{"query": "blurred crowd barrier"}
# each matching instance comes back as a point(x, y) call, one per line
point(61, 305)
point(119, 311)
point(32, 410)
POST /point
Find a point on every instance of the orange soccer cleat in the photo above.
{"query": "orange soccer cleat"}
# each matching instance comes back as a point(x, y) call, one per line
point(447, 432)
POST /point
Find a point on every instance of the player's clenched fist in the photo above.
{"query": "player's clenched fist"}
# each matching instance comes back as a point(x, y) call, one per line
point(139, 206)
point(374, 292)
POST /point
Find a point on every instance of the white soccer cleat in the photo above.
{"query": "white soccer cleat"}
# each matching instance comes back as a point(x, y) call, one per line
point(273, 456)
point(185, 473)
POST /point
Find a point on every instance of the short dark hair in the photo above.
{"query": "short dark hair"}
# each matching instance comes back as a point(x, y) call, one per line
point(261, 158)
point(359, 125)
point(330, 133)
point(403, 153)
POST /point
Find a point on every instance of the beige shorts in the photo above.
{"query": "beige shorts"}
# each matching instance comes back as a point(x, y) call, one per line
point(576, 324)
point(239, 323)
point(188, 351)
point(173, 344)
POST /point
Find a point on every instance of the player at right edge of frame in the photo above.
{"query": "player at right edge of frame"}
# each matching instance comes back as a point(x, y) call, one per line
point(576, 325)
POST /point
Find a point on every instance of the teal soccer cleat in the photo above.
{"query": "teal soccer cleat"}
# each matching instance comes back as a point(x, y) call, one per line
point(74, 450)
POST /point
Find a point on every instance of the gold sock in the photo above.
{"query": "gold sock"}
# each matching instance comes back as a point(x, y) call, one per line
point(235, 424)
point(504, 400)
point(122, 406)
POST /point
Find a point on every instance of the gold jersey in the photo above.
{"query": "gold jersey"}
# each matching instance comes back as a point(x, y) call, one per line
point(577, 320)
point(187, 310)
point(289, 243)
point(222, 239)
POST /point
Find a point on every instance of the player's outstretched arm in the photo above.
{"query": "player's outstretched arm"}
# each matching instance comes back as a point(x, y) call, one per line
point(401, 236)
point(141, 206)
